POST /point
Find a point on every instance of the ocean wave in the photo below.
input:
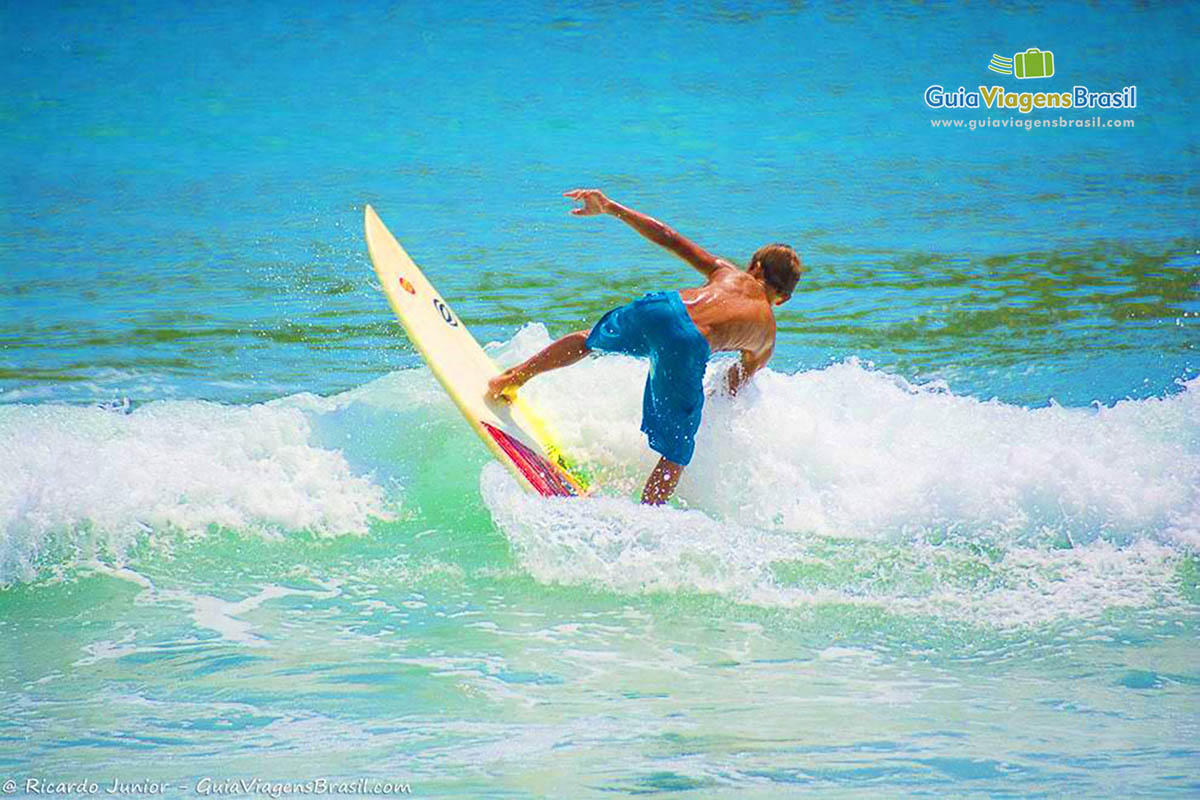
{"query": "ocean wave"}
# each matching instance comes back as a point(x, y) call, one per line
point(618, 545)
point(86, 481)
point(845, 452)
point(849, 486)
point(851, 451)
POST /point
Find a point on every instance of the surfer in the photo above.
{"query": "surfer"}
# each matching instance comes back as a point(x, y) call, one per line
point(677, 331)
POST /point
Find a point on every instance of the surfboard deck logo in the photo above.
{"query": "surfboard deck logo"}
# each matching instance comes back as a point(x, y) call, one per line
point(514, 433)
point(445, 312)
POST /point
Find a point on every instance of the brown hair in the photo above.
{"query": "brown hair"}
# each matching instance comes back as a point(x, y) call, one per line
point(781, 267)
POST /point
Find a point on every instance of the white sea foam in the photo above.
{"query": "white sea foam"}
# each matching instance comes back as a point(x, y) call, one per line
point(1077, 508)
point(851, 451)
point(618, 545)
point(98, 479)
point(899, 495)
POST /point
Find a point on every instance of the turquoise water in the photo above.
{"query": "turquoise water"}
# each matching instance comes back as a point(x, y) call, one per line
point(949, 545)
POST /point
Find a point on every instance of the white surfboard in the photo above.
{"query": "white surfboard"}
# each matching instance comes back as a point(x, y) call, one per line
point(514, 433)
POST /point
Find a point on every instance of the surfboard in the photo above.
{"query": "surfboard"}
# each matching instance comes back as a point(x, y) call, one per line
point(515, 434)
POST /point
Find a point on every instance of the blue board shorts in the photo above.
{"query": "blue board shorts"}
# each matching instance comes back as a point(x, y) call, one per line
point(658, 327)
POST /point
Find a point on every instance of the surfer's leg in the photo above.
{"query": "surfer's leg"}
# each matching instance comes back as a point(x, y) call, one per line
point(662, 482)
point(562, 353)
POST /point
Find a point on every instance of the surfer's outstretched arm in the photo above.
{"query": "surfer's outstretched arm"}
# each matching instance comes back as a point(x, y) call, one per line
point(594, 202)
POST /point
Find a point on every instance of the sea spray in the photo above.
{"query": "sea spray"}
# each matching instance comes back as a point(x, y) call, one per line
point(87, 478)
point(852, 451)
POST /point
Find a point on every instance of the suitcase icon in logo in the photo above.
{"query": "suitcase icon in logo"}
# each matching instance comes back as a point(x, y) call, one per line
point(1033, 63)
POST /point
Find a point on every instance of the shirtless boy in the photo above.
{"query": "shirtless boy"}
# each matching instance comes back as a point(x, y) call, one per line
point(677, 331)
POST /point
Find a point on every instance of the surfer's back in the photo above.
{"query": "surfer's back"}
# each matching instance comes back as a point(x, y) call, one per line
point(735, 309)
point(732, 311)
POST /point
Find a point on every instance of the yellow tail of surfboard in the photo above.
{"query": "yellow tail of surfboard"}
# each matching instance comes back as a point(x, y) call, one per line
point(516, 434)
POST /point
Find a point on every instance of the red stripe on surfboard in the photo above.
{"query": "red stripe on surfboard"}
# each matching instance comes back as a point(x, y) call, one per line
point(540, 473)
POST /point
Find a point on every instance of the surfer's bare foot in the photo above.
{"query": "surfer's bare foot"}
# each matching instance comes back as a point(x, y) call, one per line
point(503, 387)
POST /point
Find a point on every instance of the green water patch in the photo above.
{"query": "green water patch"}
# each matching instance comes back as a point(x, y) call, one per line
point(918, 313)
point(962, 296)
point(1188, 576)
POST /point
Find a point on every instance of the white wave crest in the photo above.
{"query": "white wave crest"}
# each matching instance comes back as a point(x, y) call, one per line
point(100, 478)
point(855, 452)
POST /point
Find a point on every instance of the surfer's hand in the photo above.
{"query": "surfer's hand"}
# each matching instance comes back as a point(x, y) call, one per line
point(594, 202)
point(502, 388)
